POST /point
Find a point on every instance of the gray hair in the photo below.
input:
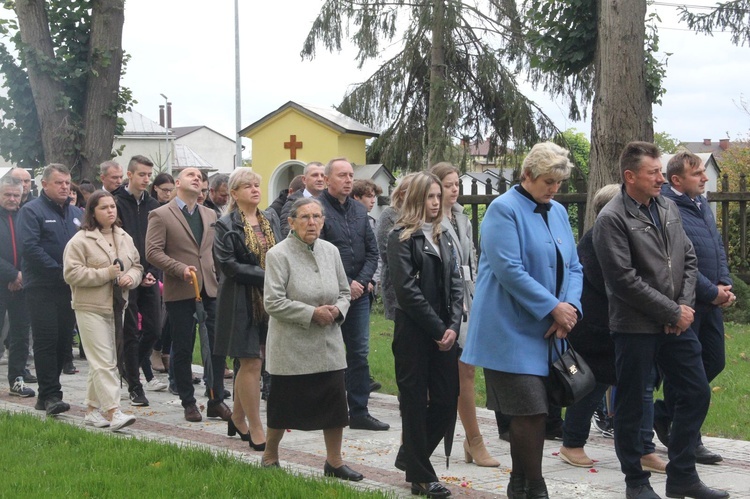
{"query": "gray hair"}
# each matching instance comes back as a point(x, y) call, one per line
point(54, 167)
point(329, 165)
point(312, 164)
point(303, 201)
point(604, 196)
point(218, 180)
point(104, 167)
point(9, 181)
point(547, 158)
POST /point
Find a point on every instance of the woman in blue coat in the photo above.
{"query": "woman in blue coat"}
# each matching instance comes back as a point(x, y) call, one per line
point(528, 288)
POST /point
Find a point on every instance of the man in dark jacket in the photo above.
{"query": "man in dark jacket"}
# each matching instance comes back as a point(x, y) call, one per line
point(11, 287)
point(314, 183)
point(218, 193)
point(687, 176)
point(650, 271)
point(347, 227)
point(45, 225)
point(133, 206)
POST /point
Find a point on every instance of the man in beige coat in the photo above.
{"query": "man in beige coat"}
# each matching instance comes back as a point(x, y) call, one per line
point(179, 240)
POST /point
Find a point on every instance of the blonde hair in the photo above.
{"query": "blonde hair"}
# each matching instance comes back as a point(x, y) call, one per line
point(414, 210)
point(604, 196)
point(546, 158)
point(239, 178)
point(399, 193)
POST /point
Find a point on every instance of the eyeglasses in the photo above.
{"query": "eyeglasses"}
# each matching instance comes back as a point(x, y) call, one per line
point(307, 218)
point(165, 189)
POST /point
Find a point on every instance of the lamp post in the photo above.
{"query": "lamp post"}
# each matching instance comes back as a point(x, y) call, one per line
point(237, 104)
point(166, 136)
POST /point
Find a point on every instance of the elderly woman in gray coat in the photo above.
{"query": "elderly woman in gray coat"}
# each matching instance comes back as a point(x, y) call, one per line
point(306, 295)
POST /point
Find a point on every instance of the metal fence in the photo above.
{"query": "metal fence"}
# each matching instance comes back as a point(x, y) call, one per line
point(575, 203)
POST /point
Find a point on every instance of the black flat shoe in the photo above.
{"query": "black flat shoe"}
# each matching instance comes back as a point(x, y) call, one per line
point(232, 431)
point(343, 472)
point(432, 489)
point(698, 490)
point(705, 456)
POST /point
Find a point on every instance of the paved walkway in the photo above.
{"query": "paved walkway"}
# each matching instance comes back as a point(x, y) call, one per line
point(373, 453)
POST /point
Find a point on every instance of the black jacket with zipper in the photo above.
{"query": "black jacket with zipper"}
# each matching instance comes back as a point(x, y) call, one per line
point(134, 218)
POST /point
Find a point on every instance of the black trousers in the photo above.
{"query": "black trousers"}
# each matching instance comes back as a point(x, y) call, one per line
point(679, 358)
point(183, 340)
point(18, 332)
point(427, 381)
point(138, 343)
point(52, 321)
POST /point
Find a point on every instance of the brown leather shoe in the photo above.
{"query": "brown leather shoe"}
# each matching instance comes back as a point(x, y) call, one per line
point(219, 410)
point(192, 414)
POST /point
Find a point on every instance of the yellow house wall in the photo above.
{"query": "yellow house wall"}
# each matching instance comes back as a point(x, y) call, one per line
point(319, 143)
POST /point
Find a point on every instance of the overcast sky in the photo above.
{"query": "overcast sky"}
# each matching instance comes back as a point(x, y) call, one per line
point(184, 49)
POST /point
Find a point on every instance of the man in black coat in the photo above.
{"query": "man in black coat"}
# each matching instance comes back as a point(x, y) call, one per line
point(133, 206)
point(11, 287)
point(348, 228)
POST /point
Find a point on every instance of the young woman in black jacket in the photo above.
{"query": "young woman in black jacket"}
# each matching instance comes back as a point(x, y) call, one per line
point(429, 295)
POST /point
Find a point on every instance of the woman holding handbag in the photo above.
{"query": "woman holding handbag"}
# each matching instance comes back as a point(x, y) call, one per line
point(528, 288)
point(429, 296)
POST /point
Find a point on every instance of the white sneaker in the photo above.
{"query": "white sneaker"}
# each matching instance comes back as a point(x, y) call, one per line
point(155, 385)
point(120, 420)
point(95, 418)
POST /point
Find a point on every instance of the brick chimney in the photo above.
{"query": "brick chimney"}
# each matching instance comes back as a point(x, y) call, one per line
point(706, 142)
point(169, 115)
point(724, 144)
point(161, 115)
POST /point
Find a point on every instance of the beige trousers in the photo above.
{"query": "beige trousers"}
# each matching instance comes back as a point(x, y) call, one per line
point(98, 338)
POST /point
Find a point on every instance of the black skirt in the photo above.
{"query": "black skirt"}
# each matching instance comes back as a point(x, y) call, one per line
point(308, 401)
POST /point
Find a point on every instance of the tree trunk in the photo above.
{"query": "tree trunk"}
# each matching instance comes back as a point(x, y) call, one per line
point(103, 85)
point(437, 139)
point(58, 133)
point(621, 111)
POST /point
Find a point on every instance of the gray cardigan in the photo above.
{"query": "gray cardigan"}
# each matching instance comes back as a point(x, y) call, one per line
point(298, 280)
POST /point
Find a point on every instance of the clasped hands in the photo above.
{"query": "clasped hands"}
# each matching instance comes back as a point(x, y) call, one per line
point(565, 318)
point(447, 341)
point(325, 315)
point(725, 297)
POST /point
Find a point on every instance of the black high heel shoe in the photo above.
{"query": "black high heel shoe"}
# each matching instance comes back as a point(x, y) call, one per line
point(258, 447)
point(232, 431)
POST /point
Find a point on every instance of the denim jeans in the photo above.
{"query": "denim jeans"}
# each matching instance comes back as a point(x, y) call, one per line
point(356, 332)
point(52, 331)
point(578, 417)
point(679, 358)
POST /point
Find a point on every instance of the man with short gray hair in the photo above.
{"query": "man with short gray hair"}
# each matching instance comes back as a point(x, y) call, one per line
point(11, 288)
point(24, 176)
point(45, 225)
point(110, 174)
point(218, 193)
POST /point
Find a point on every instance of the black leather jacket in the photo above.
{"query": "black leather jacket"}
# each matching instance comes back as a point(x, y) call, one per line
point(429, 287)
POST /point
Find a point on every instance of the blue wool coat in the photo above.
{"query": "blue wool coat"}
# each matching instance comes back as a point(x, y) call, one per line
point(516, 280)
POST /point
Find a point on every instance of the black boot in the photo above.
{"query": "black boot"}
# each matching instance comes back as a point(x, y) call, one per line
point(537, 489)
point(517, 486)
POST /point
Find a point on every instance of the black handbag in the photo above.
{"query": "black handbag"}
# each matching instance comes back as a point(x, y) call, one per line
point(570, 378)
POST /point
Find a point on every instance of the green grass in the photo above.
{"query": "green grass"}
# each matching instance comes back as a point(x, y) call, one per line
point(728, 416)
point(61, 460)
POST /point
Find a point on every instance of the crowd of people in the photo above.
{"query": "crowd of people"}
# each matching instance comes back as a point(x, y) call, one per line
point(286, 293)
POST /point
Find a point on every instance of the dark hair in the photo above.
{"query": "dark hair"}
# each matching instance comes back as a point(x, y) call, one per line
point(79, 195)
point(139, 160)
point(676, 165)
point(89, 220)
point(297, 183)
point(86, 186)
point(162, 178)
point(633, 155)
point(365, 187)
point(218, 180)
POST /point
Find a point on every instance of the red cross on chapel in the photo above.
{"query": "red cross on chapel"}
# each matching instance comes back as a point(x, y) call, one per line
point(292, 145)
